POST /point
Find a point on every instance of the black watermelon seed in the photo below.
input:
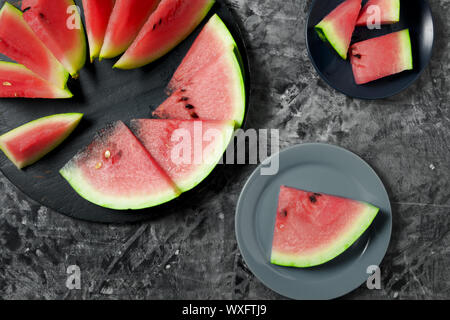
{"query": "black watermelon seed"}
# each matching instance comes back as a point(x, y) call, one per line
point(313, 199)
point(154, 26)
point(357, 56)
point(189, 106)
point(284, 212)
point(317, 194)
point(194, 115)
point(41, 15)
point(160, 21)
point(26, 9)
point(183, 90)
point(184, 99)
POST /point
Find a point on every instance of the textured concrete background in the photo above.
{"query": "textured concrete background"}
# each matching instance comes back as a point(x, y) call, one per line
point(193, 254)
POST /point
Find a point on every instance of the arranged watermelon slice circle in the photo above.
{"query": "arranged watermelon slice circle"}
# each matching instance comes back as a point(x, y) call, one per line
point(170, 24)
point(188, 150)
point(26, 48)
point(313, 228)
point(117, 172)
point(96, 14)
point(338, 26)
point(28, 143)
point(127, 18)
point(388, 10)
point(381, 56)
point(16, 81)
point(58, 25)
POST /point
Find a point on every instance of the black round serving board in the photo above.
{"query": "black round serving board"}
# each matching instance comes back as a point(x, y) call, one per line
point(104, 95)
point(414, 14)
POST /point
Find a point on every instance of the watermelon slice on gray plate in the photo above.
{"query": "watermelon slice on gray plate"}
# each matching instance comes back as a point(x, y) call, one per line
point(313, 228)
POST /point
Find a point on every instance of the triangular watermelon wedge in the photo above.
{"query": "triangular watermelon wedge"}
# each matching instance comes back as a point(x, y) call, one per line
point(16, 81)
point(117, 172)
point(213, 41)
point(26, 48)
point(188, 150)
point(127, 19)
point(216, 92)
point(170, 24)
point(313, 228)
point(58, 25)
point(27, 144)
point(388, 12)
point(96, 15)
point(338, 26)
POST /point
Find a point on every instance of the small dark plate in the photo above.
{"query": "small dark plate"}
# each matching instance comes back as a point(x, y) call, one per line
point(319, 168)
point(414, 14)
point(104, 95)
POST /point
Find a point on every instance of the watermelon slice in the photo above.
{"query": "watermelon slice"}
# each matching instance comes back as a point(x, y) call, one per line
point(60, 28)
point(212, 42)
point(16, 81)
point(389, 11)
point(96, 15)
point(127, 18)
point(116, 171)
point(338, 26)
point(27, 144)
point(24, 47)
point(382, 56)
point(313, 228)
point(170, 24)
point(187, 150)
point(215, 93)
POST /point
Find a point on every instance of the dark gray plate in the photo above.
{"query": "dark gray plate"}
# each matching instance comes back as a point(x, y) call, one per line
point(104, 95)
point(318, 168)
point(414, 14)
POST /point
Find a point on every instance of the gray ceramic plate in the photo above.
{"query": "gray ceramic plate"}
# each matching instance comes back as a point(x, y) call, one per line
point(318, 168)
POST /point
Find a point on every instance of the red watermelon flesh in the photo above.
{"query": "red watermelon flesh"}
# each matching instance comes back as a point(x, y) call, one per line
point(170, 24)
point(381, 57)
point(117, 172)
point(313, 228)
point(24, 47)
point(96, 15)
point(388, 11)
point(16, 81)
point(58, 25)
point(188, 150)
point(213, 41)
point(214, 93)
point(27, 144)
point(338, 26)
point(127, 18)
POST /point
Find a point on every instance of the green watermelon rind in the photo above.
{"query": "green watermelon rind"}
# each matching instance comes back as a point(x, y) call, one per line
point(63, 74)
point(406, 54)
point(75, 117)
point(74, 177)
point(338, 246)
point(326, 32)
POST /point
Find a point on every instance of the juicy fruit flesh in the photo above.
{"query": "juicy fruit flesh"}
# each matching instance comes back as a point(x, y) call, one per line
point(214, 93)
point(338, 26)
point(213, 41)
point(28, 143)
point(389, 11)
point(382, 56)
point(117, 172)
point(16, 81)
point(24, 47)
point(187, 150)
point(49, 19)
point(313, 228)
point(170, 24)
point(97, 13)
point(127, 18)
